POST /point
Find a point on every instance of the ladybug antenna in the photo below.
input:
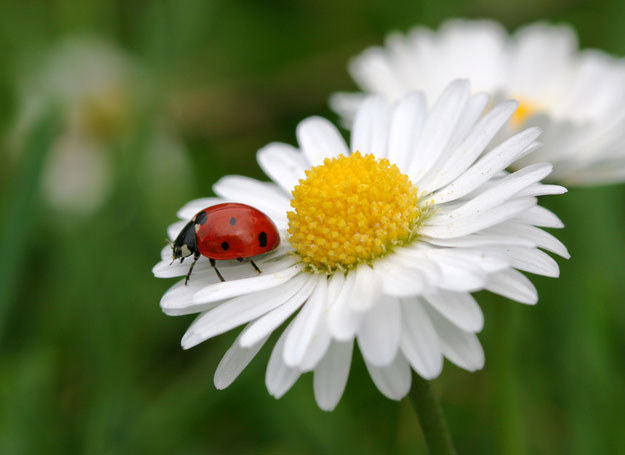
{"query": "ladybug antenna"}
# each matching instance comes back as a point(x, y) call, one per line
point(172, 247)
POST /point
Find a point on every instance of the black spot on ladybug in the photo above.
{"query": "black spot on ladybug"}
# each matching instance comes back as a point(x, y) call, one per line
point(262, 239)
point(233, 221)
point(200, 218)
point(225, 246)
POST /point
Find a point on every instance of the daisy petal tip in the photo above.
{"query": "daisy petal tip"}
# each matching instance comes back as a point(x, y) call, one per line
point(326, 406)
point(511, 103)
point(460, 84)
point(533, 300)
point(160, 270)
point(219, 381)
point(433, 374)
point(170, 311)
point(189, 340)
point(246, 341)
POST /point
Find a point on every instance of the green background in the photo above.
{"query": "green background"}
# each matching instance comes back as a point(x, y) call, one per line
point(89, 364)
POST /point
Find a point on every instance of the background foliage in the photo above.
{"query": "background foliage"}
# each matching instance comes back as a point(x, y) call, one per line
point(89, 364)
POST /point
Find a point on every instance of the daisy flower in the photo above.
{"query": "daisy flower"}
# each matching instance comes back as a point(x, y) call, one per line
point(383, 242)
point(575, 97)
point(94, 84)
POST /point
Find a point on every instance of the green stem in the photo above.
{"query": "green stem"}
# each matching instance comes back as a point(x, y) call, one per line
point(431, 418)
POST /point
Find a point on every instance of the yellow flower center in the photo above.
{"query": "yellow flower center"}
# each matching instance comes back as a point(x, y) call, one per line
point(352, 210)
point(107, 112)
point(525, 110)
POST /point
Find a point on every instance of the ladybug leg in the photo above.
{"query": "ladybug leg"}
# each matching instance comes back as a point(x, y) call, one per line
point(255, 266)
point(212, 261)
point(196, 256)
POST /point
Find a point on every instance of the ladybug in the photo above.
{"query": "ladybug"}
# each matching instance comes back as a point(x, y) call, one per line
point(225, 231)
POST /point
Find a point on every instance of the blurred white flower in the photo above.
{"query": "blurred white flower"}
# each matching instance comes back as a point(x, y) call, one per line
point(575, 97)
point(383, 242)
point(78, 175)
point(97, 88)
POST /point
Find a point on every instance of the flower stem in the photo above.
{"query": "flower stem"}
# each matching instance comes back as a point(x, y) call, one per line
point(431, 418)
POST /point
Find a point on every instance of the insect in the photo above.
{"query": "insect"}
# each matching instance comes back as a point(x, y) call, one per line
point(225, 231)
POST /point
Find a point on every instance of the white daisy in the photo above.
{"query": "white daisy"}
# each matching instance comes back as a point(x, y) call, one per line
point(382, 243)
point(575, 97)
point(102, 93)
point(94, 84)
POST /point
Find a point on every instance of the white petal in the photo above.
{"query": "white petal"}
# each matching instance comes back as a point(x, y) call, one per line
point(279, 378)
point(304, 325)
point(239, 310)
point(407, 119)
point(366, 289)
point(378, 336)
point(513, 285)
point(393, 380)
point(227, 289)
point(283, 163)
point(539, 216)
point(503, 190)
point(471, 224)
point(419, 341)
point(318, 346)
point(319, 139)
point(203, 271)
point(321, 338)
point(346, 105)
point(342, 321)
point(189, 210)
point(174, 229)
point(398, 280)
point(372, 71)
point(533, 235)
point(459, 308)
point(234, 362)
point(438, 128)
point(480, 239)
point(539, 189)
point(331, 374)
point(489, 260)
point(371, 125)
point(462, 348)
point(265, 196)
point(467, 152)
point(534, 261)
point(473, 110)
point(266, 324)
point(177, 299)
point(457, 273)
point(490, 164)
point(168, 269)
point(416, 257)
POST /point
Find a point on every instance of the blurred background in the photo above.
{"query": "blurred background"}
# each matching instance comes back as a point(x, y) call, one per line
point(113, 114)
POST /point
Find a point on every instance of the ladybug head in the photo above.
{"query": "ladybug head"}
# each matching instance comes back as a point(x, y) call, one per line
point(185, 244)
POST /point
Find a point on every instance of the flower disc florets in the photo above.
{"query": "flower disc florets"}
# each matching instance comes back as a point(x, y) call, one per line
point(351, 210)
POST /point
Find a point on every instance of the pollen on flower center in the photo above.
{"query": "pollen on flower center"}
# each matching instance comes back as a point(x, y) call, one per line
point(351, 210)
point(525, 110)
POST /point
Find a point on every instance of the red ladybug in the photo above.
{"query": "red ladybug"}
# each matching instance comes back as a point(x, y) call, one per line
point(226, 231)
